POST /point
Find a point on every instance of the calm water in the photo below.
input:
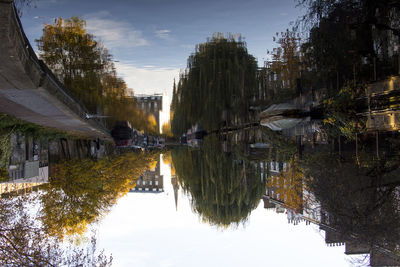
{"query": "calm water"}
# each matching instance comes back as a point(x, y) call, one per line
point(253, 192)
point(278, 153)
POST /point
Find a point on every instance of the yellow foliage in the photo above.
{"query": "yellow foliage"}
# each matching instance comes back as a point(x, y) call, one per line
point(329, 120)
point(167, 159)
point(289, 186)
point(166, 129)
point(81, 191)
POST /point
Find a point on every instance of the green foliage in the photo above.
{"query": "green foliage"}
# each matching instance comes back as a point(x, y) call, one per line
point(224, 187)
point(10, 124)
point(347, 38)
point(220, 77)
point(341, 113)
point(283, 146)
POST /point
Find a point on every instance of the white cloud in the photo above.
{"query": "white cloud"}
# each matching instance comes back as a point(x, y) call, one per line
point(114, 33)
point(163, 34)
point(147, 79)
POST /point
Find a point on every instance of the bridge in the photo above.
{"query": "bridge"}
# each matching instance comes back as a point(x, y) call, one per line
point(28, 88)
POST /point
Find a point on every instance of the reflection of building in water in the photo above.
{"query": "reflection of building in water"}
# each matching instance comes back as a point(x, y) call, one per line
point(151, 181)
point(28, 164)
point(379, 255)
point(175, 186)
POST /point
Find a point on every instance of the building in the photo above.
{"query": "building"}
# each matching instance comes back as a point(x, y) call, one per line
point(28, 165)
point(151, 104)
point(150, 182)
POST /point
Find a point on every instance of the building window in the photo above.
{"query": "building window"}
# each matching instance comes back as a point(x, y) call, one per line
point(284, 166)
point(151, 182)
point(156, 182)
point(144, 182)
point(155, 105)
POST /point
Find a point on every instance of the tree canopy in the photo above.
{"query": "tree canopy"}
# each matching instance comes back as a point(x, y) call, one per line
point(24, 241)
point(218, 83)
point(87, 70)
point(224, 187)
point(81, 191)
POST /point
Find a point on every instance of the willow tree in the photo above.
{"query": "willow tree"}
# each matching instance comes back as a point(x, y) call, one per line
point(224, 187)
point(351, 39)
point(217, 86)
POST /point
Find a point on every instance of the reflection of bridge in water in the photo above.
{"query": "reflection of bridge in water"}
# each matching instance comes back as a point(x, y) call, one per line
point(29, 90)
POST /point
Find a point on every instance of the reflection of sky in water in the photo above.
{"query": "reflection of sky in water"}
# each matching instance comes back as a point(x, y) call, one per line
point(144, 229)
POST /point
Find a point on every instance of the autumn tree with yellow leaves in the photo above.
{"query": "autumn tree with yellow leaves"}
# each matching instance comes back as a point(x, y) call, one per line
point(24, 241)
point(81, 191)
point(285, 64)
point(288, 186)
point(87, 70)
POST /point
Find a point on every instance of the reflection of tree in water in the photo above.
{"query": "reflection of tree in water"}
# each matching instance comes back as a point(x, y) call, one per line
point(24, 242)
point(358, 200)
point(81, 191)
point(224, 187)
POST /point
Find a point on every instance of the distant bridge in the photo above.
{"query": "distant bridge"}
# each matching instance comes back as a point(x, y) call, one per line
point(30, 91)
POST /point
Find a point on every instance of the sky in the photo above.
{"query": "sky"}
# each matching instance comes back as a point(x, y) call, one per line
point(152, 39)
point(146, 230)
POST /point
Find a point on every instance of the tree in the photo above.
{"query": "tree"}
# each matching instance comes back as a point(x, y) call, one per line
point(86, 68)
point(217, 86)
point(166, 129)
point(286, 61)
point(289, 186)
point(352, 39)
point(82, 191)
point(23, 241)
point(75, 57)
point(357, 199)
point(224, 187)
